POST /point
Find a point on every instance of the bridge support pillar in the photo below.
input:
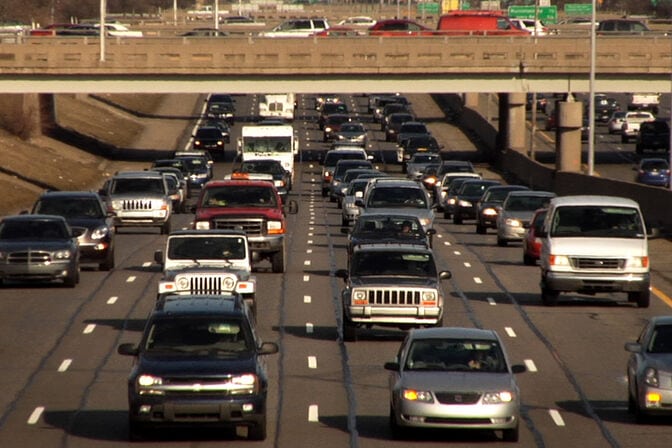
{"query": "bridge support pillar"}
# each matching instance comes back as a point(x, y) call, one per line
point(471, 100)
point(516, 121)
point(27, 115)
point(568, 136)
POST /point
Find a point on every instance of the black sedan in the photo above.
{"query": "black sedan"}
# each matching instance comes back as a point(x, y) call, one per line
point(372, 228)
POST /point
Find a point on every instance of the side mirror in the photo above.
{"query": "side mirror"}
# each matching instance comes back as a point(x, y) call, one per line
point(445, 275)
point(359, 203)
point(158, 257)
point(24, 212)
point(128, 349)
point(431, 232)
point(393, 366)
point(633, 347)
point(518, 368)
point(268, 348)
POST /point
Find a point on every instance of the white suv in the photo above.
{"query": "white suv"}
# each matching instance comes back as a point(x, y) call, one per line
point(297, 28)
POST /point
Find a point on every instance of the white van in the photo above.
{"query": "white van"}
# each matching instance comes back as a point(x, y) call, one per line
point(303, 27)
point(594, 244)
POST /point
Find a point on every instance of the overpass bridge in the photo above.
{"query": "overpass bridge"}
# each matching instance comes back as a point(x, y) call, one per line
point(250, 64)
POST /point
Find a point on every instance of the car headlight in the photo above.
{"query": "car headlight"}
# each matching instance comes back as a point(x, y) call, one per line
point(62, 254)
point(359, 298)
point(498, 397)
point(429, 298)
point(244, 384)
point(489, 211)
point(425, 222)
point(117, 205)
point(651, 377)
point(327, 129)
point(274, 227)
point(637, 262)
point(559, 260)
point(202, 225)
point(100, 233)
point(511, 222)
point(279, 183)
point(417, 395)
point(451, 201)
point(197, 142)
point(200, 176)
point(351, 205)
point(465, 204)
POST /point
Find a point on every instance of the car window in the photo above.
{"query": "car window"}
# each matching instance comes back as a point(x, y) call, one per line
point(70, 207)
point(661, 340)
point(239, 197)
point(200, 248)
point(455, 355)
point(397, 197)
point(199, 336)
point(138, 186)
point(388, 263)
point(596, 221)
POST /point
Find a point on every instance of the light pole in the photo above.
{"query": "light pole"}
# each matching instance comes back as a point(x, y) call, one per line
point(102, 29)
point(591, 101)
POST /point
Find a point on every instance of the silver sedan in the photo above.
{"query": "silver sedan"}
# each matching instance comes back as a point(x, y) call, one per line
point(449, 377)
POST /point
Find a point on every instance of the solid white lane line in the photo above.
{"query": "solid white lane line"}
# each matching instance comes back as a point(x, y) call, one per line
point(112, 300)
point(89, 328)
point(467, 264)
point(130, 279)
point(313, 415)
point(35, 416)
point(312, 362)
point(557, 418)
point(64, 365)
point(306, 278)
point(478, 280)
point(530, 365)
point(510, 332)
point(307, 299)
point(491, 301)
point(309, 328)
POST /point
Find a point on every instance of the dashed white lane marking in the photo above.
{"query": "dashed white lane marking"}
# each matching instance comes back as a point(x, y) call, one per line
point(310, 241)
point(312, 179)
point(130, 279)
point(310, 234)
point(491, 301)
point(478, 280)
point(311, 228)
point(510, 332)
point(35, 416)
point(457, 252)
point(112, 300)
point(312, 362)
point(64, 365)
point(530, 365)
point(557, 418)
point(306, 278)
point(439, 235)
point(446, 243)
point(309, 251)
point(307, 263)
point(311, 222)
point(310, 166)
point(307, 299)
point(146, 264)
point(467, 264)
point(309, 328)
point(89, 328)
point(313, 415)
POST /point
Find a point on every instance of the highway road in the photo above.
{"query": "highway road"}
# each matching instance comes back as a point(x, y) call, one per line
point(65, 386)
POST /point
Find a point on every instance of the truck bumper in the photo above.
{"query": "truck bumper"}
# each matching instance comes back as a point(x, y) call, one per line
point(589, 283)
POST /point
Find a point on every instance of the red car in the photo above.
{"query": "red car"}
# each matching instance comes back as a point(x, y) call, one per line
point(531, 242)
point(400, 27)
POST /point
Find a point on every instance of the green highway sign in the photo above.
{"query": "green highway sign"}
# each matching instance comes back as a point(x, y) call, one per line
point(547, 14)
point(578, 9)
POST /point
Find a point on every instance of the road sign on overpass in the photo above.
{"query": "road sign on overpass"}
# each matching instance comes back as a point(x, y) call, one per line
point(547, 14)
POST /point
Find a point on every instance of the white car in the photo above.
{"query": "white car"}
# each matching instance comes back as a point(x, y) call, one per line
point(297, 28)
point(360, 23)
point(529, 26)
point(631, 123)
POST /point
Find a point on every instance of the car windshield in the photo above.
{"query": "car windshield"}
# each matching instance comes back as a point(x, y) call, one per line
point(200, 248)
point(397, 197)
point(389, 263)
point(353, 128)
point(473, 188)
point(597, 221)
point(70, 207)
point(198, 336)
point(195, 164)
point(261, 145)
point(455, 355)
point(654, 165)
point(661, 340)
point(424, 158)
point(239, 197)
point(261, 167)
point(356, 187)
point(33, 230)
point(496, 195)
point(138, 186)
point(525, 203)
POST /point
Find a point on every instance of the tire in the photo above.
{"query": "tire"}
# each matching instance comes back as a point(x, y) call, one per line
point(325, 191)
point(108, 264)
point(278, 261)
point(72, 279)
point(624, 139)
point(345, 222)
point(529, 261)
point(349, 331)
point(501, 242)
point(638, 149)
point(548, 297)
point(632, 404)
point(481, 230)
point(511, 435)
point(398, 431)
point(136, 432)
point(641, 298)
point(258, 431)
point(446, 215)
point(457, 219)
point(165, 228)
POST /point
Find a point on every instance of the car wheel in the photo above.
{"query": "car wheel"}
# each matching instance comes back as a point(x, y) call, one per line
point(349, 331)
point(510, 435)
point(278, 261)
point(529, 261)
point(258, 431)
point(165, 228)
point(624, 139)
point(638, 149)
point(480, 229)
point(457, 219)
point(398, 431)
point(135, 431)
point(345, 222)
point(632, 404)
point(548, 297)
point(72, 279)
point(501, 242)
point(108, 264)
point(324, 192)
point(642, 298)
point(446, 215)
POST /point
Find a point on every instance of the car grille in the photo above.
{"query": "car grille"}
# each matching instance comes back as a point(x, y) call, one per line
point(136, 204)
point(206, 283)
point(29, 257)
point(597, 263)
point(393, 296)
point(251, 226)
point(457, 397)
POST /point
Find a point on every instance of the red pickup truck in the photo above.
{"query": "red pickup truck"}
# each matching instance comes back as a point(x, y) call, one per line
point(252, 206)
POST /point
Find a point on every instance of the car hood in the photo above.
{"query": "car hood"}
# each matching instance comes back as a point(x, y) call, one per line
point(660, 361)
point(603, 247)
point(393, 280)
point(191, 366)
point(457, 381)
point(205, 268)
